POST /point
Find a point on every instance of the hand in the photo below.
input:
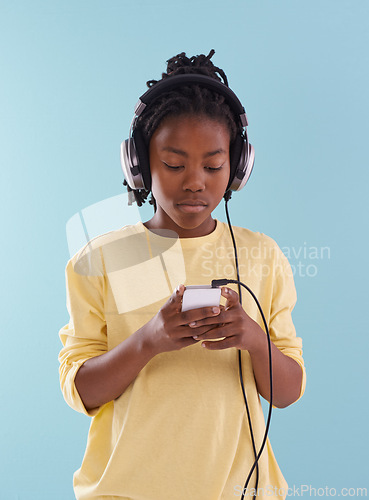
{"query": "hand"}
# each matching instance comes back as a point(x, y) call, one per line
point(169, 329)
point(232, 325)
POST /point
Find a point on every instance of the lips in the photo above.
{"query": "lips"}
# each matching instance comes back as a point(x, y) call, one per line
point(193, 203)
point(192, 206)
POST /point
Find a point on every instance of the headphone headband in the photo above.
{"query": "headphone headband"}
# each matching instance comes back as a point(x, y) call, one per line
point(134, 154)
point(190, 79)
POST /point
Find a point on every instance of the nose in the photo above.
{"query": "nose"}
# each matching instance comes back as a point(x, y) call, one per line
point(194, 179)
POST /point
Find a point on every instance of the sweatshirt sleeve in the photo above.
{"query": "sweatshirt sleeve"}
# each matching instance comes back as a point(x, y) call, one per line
point(85, 336)
point(281, 327)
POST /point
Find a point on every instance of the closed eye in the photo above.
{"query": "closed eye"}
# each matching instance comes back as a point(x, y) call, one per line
point(173, 167)
point(176, 167)
point(214, 169)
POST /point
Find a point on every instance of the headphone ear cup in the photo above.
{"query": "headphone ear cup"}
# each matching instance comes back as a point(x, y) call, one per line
point(143, 158)
point(234, 158)
point(128, 162)
point(242, 162)
point(249, 165)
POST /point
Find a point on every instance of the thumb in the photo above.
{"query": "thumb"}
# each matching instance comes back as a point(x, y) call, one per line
point(179, 291)
point(231, 296)
point(176, 297)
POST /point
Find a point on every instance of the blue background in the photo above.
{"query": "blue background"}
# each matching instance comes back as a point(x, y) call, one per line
point(71, 73)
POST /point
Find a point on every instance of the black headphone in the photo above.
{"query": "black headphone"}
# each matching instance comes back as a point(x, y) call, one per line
point(134, 155)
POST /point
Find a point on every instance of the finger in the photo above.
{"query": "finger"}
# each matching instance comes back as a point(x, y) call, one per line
point(179, 290)
point(222, 330)
point(193, 315)
point(218, 345)
point(215, 321)
point(186, 332)
point(224, 317)
point(213, 334)
point(187, 341)
point(176, 298)
point(231, 296)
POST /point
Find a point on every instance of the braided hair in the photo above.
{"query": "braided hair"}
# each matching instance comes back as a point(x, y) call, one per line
point(185, 100)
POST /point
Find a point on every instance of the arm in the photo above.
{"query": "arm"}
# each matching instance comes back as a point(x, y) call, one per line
point(241, 332)
point(104, 378)
point(287, 374)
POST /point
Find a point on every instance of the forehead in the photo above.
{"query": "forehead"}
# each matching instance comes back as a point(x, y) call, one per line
point(200, 132)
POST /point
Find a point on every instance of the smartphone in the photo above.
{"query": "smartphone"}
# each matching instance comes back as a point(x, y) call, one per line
point(200, 296)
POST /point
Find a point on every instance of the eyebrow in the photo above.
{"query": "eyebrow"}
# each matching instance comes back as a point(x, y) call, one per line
point(184, 154)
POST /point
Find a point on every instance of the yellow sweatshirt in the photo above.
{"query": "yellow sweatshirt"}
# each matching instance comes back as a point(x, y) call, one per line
point(180, 430)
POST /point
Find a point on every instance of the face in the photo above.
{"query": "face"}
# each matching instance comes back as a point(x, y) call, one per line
point(189, 163)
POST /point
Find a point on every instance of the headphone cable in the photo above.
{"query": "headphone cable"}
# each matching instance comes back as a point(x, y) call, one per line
point(222, 282)
point(227, 197)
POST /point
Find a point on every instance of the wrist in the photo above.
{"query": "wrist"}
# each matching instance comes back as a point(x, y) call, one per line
point(146, 346)
point(258, 342)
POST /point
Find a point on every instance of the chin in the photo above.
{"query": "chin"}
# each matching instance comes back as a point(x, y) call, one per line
point(191, 222)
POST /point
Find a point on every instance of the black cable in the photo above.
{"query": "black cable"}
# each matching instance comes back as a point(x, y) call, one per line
point(227, 197)
point(223, 282)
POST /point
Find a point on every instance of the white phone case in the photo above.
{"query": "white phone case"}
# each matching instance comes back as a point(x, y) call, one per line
point(198, 296)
